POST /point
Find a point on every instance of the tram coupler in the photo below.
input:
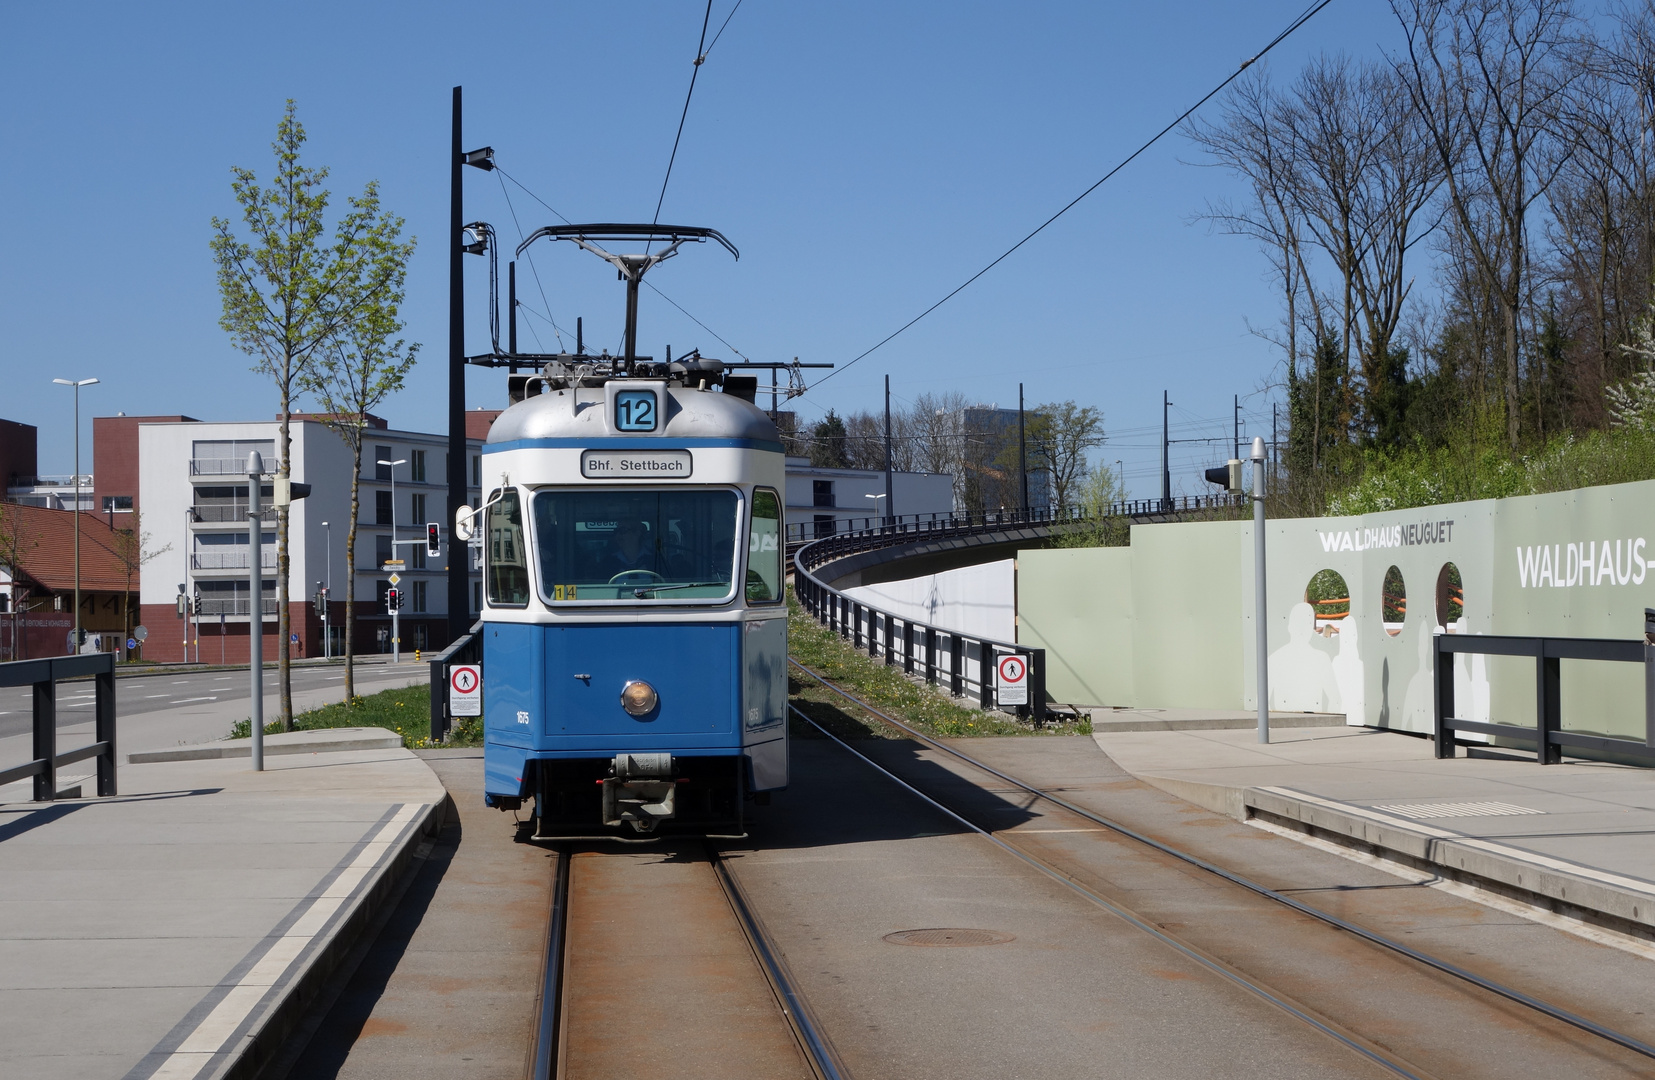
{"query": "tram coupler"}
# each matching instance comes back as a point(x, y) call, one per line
point(640, 791)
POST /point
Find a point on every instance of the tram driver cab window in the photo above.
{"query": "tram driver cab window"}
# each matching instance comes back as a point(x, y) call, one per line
point(508, 561)
point(764, 549)
point(637, 545)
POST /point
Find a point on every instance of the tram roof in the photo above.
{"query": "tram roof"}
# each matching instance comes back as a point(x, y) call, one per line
point(695, 414)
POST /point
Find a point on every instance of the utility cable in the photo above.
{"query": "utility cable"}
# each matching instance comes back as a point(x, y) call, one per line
point(532, 268)
point(697, 321)
point(1245, 64)
point(700, 58)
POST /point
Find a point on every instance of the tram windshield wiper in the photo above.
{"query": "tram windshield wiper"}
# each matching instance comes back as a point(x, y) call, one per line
point(638, 593)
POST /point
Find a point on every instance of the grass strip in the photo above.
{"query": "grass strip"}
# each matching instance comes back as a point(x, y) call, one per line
point(405, 710)
point(886, 688)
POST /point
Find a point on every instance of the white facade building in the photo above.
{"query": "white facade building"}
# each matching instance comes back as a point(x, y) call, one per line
point(193, 488)
point(821, 502)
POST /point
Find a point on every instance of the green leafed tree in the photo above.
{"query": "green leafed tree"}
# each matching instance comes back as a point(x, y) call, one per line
point(358, 370)
point(1064, 433)
point(290, 288)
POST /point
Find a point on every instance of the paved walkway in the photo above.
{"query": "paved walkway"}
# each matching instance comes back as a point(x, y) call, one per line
point(176, 930)
point(1579, 836)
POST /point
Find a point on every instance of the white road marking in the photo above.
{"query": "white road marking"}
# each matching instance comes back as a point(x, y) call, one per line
point(209, 1036)
point(187, 700)
point(148, 696)
point(179, 682)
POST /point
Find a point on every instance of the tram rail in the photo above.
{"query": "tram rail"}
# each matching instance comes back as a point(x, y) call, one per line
point(1227, 971)
point(548, 1056)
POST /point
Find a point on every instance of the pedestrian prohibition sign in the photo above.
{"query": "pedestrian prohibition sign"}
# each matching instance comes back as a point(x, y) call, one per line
point(465, 690)
point(1012, 683)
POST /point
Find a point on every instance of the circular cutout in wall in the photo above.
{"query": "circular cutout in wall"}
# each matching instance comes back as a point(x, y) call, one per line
point(1393, 604)
point(1329, 597)
point(1450, 598)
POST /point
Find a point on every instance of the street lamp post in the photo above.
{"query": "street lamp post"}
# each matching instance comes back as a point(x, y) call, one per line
point(396, 635)
point(875, 499)
point(327, 604)
point(255, 605)
point(77, 386)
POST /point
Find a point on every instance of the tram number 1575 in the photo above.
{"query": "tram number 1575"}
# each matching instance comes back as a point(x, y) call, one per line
point(635, 410)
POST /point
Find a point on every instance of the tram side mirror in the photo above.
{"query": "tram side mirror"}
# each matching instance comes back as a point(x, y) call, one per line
point(463, 529)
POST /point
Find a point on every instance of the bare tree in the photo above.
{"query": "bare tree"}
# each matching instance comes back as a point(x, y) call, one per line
point(1062, 434)
point(1485, 76)
point(132, 550)
point(16, 541)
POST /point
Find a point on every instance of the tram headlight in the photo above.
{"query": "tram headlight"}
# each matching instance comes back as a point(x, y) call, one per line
point(638, 698)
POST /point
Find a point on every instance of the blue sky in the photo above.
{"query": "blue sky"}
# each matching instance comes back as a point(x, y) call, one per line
point(865, 157)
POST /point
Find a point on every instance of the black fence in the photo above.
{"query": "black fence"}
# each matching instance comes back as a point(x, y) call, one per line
point(44, 675)
point(467, 649)
point(1547, 736)
point(802, 532)
point(1178, 504)
point(965, 663)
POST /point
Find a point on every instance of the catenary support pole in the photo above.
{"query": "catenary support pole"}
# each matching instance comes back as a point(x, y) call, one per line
point(1263, 645)
point(1166, 466)
point(890, 514)
point(1022, 453)
point(458, 602)
point(255, 604)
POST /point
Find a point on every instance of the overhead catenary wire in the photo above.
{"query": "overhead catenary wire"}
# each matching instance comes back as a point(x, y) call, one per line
point(695, 72)
point(1303, 18)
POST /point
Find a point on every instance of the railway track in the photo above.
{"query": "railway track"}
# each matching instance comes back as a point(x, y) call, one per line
point(1606, 1050)
point(705, 904)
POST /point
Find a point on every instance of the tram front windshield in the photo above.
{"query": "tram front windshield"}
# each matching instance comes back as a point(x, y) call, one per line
point(633, 545)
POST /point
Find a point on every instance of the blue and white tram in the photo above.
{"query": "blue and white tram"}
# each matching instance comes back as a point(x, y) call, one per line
point(634, 624)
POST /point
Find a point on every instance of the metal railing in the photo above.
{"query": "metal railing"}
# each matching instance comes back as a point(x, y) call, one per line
point(966, 662)
point(44, 676)
point(1178, 504)
point(229, 466)
point(229, 560)
point(802, 532)
point(468, 649)
point(216, 512)
point(1547, 736)
point(234, 607)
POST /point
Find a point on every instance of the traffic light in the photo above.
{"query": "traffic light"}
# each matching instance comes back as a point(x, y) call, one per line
point(433, 539)
point(393, 599)
point(322, 604)
point(183, 604)
point(1226, 476)
point(197, 605)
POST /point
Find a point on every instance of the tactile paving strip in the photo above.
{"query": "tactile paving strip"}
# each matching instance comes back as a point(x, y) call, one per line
point(1426, 811)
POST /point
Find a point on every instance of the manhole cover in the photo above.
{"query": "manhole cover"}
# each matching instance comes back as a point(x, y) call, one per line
point(948, 936)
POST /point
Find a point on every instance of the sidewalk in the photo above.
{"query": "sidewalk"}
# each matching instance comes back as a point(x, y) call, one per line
point(1577, 837)
point(179, 929)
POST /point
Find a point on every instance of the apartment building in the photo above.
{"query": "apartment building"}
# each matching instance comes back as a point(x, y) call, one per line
point(193, 488)
point(823, 501)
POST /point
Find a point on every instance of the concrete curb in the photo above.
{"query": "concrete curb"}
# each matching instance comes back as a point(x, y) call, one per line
point(281, 1019)
point(1566, 888)
point(1103, 725)
point(322, 740)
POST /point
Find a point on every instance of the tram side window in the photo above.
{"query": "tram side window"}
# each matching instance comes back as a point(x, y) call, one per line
point(508, 561)
point(764, 549)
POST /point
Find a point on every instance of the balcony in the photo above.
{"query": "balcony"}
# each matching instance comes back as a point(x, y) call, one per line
point(228, 466)
point(232, 607)
point(229, 560)
point(209, 513)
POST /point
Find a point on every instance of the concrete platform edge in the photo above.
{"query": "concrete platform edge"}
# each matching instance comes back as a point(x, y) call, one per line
point(264, 1042)
point(240, 748)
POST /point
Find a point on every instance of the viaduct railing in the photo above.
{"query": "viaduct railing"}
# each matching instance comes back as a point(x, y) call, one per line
point(44, 675)
point(966, 663)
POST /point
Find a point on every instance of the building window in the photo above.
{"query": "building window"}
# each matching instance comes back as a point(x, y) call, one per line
point(476, 596)
point(822, 490)
point(382, 508)
point(476, 470)
point(382, 472)
point(418, 549)
point(382, 550)
point(419, 510)
point(419, 466)
point(419, 592)
point(113, 503)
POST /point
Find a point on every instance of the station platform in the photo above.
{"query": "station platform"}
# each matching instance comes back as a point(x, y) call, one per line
point(180, 929)
point(1577, 837)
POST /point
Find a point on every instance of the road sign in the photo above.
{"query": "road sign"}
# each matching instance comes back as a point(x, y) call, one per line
point(395, 564)
point(395, 578)
point(131, 643)
point(141, 633)
point(294, 638)
point(465, 690)
point(1012, 684)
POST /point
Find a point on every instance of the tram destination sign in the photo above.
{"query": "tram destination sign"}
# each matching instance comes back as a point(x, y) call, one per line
point(636, 464)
